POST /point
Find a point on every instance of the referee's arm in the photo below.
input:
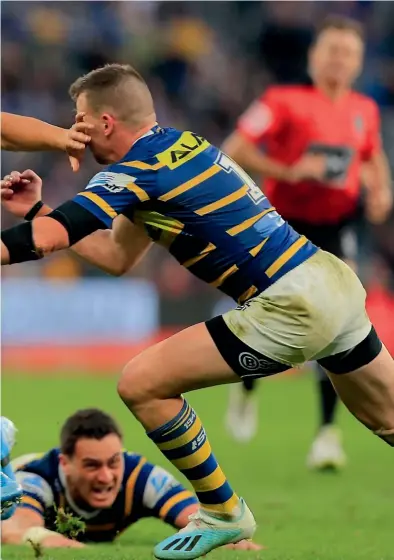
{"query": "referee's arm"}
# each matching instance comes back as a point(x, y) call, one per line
point(376, 176)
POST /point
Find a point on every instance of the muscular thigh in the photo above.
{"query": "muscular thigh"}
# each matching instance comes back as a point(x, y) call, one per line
point(187, 361)
point(368, 391)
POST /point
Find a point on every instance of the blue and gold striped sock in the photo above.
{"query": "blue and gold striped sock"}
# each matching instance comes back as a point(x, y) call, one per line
point(184, 442)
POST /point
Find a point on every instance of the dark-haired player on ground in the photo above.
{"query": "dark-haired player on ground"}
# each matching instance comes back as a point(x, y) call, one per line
point(310, 144)
point(296, 302)
point(91, 477)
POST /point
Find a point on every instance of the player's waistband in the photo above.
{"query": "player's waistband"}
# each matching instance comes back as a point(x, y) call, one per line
point(258, 274)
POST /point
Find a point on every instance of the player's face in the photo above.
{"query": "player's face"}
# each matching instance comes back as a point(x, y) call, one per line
point(337, 57)
point(94, 473)
point(99, 144)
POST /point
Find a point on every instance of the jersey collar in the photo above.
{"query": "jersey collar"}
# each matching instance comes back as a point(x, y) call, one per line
point(151, 131)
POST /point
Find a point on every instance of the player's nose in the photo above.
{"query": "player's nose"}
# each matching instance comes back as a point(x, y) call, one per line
point(105, 476)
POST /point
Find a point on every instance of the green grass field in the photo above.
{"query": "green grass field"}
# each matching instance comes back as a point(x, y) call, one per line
point(301, 515)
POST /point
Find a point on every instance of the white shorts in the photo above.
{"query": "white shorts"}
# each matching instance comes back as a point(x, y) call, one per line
point(314, 311)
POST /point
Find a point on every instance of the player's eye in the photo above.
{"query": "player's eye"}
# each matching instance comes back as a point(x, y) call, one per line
point(91, 466)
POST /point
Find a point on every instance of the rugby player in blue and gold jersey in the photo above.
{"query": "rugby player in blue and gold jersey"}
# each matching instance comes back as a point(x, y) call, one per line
point(296, 302)
point(91, 477)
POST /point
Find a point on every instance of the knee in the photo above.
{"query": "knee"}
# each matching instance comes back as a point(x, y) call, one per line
point(133, 385)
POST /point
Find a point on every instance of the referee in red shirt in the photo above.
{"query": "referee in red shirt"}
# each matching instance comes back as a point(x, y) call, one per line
point(313, 146)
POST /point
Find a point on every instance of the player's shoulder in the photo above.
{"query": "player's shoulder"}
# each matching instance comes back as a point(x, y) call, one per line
point(37, 473)
point(45, 464)
point(137, 471)
point(165, 150)
point(136, 466)
point(132, 459)
point(114, 178)
point(152, 482)
point(141, 162)
point(146, 473)
point(143, 155)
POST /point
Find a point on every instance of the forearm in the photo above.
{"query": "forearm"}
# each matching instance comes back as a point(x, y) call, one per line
point(14, 529)
point(377, 173)
point(37, 535)
point(16, 534)
point(33, 241)
point(248, 156)
point(71, 225)
point(99, 249)
point(30, 134)
point(94, 248)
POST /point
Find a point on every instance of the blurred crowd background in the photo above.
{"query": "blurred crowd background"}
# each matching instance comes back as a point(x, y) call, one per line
point(205, 62)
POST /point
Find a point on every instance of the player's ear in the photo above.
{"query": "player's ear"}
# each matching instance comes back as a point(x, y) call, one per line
point(108, 123)
point(63, 461)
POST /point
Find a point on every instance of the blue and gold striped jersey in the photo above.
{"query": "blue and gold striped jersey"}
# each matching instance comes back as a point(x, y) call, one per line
point(146, 491)
point(195, 201)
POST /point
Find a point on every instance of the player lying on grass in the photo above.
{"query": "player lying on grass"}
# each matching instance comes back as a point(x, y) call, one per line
point(296, 302)
point(91, 479)
point(19, 133)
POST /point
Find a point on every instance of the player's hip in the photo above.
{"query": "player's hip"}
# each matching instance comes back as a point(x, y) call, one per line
point(315, 310)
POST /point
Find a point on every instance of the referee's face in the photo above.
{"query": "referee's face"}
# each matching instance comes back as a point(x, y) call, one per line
point(337, 57)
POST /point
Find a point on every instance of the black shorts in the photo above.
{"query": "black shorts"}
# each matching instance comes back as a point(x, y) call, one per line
point(247, 362)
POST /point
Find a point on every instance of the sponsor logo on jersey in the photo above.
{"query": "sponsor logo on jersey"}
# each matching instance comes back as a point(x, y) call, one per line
point(359, 123)
point(113, 182)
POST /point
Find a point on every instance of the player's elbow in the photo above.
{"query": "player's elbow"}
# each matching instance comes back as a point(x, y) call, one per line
point(11, 538)
point(7, 145)
point(119, 266)
point(127, 261)
point(10, 535)
point(118, 269)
